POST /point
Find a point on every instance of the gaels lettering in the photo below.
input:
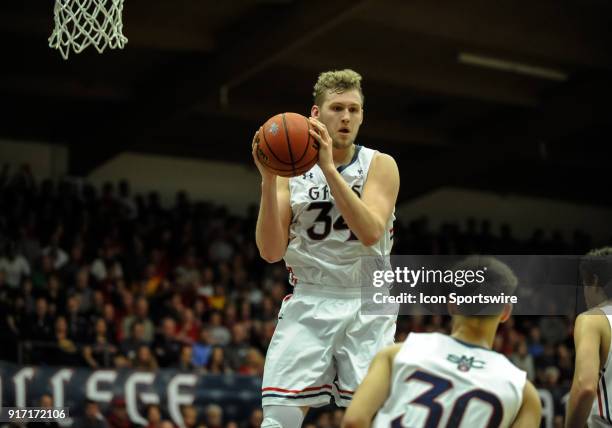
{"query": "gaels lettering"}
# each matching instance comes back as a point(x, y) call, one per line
point(321, 193)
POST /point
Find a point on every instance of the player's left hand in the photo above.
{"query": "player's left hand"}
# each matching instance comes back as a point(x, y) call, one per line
point(320, 133)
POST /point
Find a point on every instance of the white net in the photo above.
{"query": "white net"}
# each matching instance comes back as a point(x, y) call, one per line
point(80, 23)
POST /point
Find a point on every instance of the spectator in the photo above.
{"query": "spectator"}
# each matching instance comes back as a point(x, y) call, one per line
point(535, 346)
point(141, 315)
point(154, 419)
point(108, 315)
point(101, 353)
point(253, 364)
point(523, 360)
point(238, 348)
point(188, 273)
point(93, 418)
point(336, 417)
point(77, 323)
point(106, 266)
point(39, 326)
point(55, 295)
point(185, 362)
point(190, 416)
point(15, 266)
point(46, 402)
point(83, 290)
point(202, 349)
point(166, 347)
point(65, 350)
point(189, 328)
point(144, 359)
point(214, 416)
point(59, 258)
point(217, 363)
point(76, 261)
point(118, 417)
point(255, 419)
point(219, 333)
point(129, 347)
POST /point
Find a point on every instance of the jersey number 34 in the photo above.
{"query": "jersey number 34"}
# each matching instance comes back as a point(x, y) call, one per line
point(325, 218)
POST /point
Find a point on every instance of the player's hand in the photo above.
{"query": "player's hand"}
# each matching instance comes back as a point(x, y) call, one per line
point(320, 133)
point(265, 174)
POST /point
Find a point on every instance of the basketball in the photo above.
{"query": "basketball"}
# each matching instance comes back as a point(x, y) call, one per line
point(285, 147)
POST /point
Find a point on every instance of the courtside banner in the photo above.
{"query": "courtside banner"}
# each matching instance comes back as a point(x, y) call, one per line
point(22, 388)
point(481, 285)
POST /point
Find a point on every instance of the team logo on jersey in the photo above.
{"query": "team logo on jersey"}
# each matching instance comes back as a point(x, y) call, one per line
point(360, 172)
point(307, 175)
point(465, 363)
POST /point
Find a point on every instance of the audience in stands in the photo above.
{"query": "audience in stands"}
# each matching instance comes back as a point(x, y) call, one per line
point(109, 280)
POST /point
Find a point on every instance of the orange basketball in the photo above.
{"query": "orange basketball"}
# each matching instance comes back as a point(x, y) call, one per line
point(285, 147)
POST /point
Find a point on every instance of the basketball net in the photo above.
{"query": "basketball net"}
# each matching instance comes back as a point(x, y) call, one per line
point(80, 23)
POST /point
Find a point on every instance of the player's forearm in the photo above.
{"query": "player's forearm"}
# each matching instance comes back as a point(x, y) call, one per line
point(579, 407)
point(363, 223)
point(269, 232)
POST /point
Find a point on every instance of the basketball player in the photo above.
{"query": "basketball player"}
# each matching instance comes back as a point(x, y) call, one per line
point(592, 377)
point(322, 223)
point(435, 380)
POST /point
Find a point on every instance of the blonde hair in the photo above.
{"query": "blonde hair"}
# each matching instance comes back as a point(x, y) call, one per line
point(336, 81)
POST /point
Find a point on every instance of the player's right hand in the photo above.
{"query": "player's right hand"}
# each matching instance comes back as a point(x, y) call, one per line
point(265, 174)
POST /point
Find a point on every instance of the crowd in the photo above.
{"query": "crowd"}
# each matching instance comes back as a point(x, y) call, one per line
point(105, 279)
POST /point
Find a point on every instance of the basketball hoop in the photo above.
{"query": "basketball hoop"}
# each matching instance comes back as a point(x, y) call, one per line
point(80, 23)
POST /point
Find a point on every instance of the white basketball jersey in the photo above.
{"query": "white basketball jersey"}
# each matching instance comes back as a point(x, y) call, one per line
point(439, 381)
point(600, 412)
point(322, 251)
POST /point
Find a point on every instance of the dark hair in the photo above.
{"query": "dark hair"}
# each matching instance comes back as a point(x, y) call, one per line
point(498, 278)
point(596, 268)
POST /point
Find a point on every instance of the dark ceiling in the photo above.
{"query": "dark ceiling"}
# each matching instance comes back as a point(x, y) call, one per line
point(198, 77)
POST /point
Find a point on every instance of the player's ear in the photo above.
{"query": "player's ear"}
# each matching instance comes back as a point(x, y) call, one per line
point(506, 312)
point(314, 111)
point(452, 308)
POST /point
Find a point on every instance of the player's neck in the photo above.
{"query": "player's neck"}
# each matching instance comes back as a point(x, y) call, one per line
point(475, 332)
point(343, 156)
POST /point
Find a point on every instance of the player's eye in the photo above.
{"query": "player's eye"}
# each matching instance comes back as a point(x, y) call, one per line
point(337, 108)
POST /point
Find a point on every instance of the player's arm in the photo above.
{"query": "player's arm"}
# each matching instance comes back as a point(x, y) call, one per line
point(530, 413)
point(373, 391)
point(587, 339)
point(366, 216)
point(272, 230)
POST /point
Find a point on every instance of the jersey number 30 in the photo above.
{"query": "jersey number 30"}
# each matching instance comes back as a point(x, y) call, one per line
point(439, 386)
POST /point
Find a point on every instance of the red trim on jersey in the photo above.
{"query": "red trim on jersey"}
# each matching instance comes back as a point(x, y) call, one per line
point(295, 391)
point(287, 297)
point(599, 402)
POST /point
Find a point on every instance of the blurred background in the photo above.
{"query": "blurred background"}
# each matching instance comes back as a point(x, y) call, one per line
point(128, 195)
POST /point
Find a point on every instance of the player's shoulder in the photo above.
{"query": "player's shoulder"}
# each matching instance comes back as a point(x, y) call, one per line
point(389, 352)
point(384, 164)
point(593, 319)
point(383, 158)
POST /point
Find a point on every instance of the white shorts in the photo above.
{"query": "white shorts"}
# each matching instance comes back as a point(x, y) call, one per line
point(322, 347)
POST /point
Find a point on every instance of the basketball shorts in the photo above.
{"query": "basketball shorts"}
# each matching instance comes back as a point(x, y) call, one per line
point(322, 348)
